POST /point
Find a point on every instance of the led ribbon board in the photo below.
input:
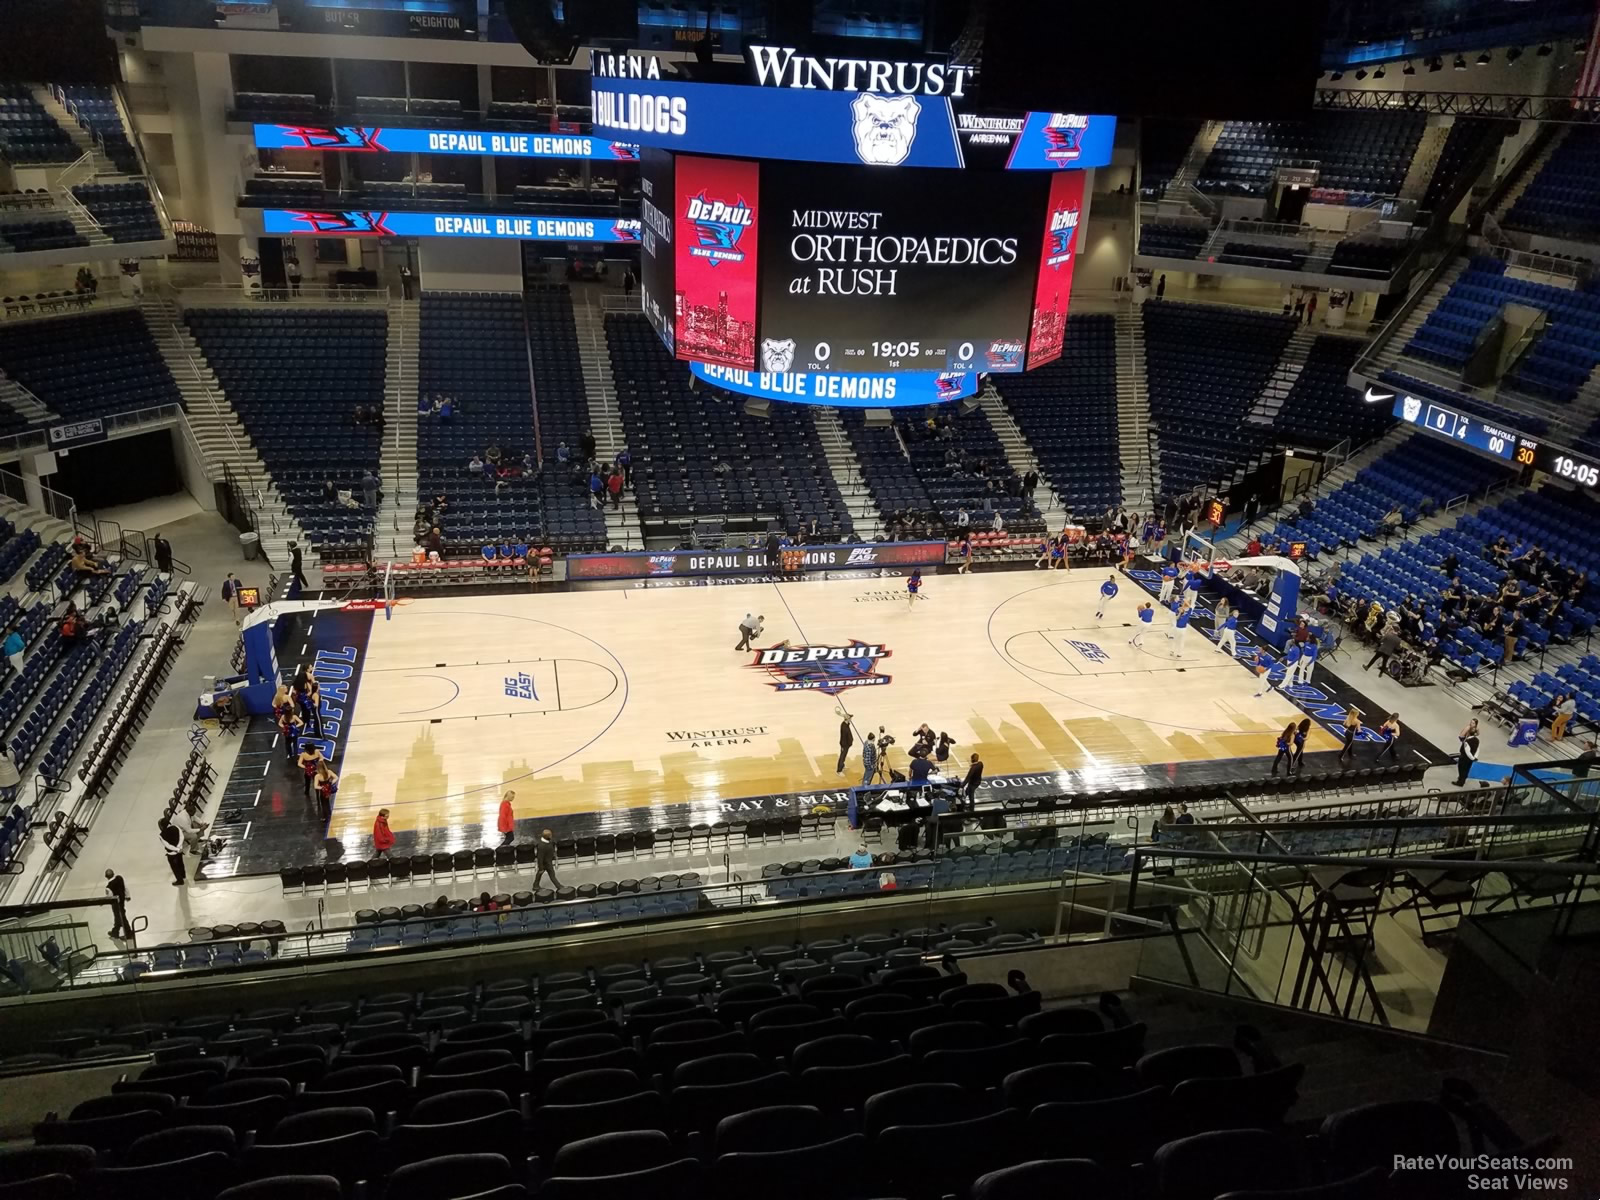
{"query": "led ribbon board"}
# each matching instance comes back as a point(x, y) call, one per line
point(863, 128)
point(843, 389)
point(526, 228)
point(367, 139)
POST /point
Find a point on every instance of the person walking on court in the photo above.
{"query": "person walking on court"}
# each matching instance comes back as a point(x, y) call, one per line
point(325, 782)
point(230, 596)
point(914, 587)
point(869, 759)
point(1352, 727)
point(969, 786)
point(749, 628)
point(545, 859)
point(1388, 646)
point(1468, 754)
point(847, 738)
point(1285, 749)
point(118, 891)
point(297, 575)
point(507, 822)
point(1300, 732)
point(1108, 593)
point(382, 835)
point(172, 847)
point(1390, 732)
point(307, 761)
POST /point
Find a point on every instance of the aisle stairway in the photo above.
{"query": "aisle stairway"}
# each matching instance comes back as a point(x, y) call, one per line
point(1133, 409)
point(600, 388)
point(845, 467)
point(217, 430)
point(24, 403)
point(397, 462)
point(1281, 381)
point(1021, 458)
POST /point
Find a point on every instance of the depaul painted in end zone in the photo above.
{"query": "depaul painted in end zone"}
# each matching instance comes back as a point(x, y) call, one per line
point(530, 228)
point(843, 389)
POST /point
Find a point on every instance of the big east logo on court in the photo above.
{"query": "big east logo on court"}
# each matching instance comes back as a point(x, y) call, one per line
point(826, 669)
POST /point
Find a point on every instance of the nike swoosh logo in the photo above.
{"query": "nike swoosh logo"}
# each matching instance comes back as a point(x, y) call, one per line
point(1373, 397)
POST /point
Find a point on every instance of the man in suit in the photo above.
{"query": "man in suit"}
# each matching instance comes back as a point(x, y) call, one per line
point(118, 891)
point(847, 739)
point(297, 575)
point(545, 859)
point(970, 784)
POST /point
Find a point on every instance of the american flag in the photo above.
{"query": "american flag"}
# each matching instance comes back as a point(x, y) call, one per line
point(1588, 85)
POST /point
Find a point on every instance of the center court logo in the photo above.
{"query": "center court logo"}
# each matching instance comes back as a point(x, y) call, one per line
point(718, 227)
point(520, 686)
point(826, 669)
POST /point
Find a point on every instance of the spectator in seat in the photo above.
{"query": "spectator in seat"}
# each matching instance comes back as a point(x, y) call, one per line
point(74, 629)
point(85, 567)
point(475, 464)
point(860, 859)
point(1391, 520)
point(13, 647)
point(999, 522)
point(563, 455)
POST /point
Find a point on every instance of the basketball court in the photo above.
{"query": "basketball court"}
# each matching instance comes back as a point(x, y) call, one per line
point(635, 697)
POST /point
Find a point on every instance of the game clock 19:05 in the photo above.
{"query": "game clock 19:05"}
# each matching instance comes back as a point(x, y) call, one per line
point(1579, 472)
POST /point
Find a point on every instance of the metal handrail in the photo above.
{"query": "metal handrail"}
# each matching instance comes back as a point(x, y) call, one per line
point(125, 114)
point(223, 293)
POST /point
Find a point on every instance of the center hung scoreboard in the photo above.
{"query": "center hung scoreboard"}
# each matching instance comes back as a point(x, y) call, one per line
point(847, 231)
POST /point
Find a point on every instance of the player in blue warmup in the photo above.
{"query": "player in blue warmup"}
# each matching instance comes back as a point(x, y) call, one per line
point(914, 587)
point(1228, 638)
point(1147, 616)
point(1308, 660)
point(1108, 591)
point(1180, 631)
point(1264, 666)
point(1291, 663)
point(1169, 580)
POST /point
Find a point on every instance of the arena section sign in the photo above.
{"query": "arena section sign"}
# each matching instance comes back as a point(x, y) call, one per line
point(747, 560)
point(843, 389)
point(366, 139)
point(530, 228)
point(866, 124)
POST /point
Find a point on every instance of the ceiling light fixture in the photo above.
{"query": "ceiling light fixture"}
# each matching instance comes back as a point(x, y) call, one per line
point(1409, 69)
point(1484, 59)
point(1461, 62)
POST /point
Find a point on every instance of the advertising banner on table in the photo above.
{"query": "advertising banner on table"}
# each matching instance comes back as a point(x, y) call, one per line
point(866, 126)
point(368, 139)
point(366, 223)
point(1053, 289)
point(872, 271)
point(740, 560)
point(843, 389)
point(716, 218)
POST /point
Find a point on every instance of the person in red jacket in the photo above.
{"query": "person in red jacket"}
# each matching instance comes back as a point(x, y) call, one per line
point(508, 820)
point(382, 837)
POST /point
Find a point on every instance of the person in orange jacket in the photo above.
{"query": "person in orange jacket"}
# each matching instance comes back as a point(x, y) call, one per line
point(382, 836)
point(508, 820)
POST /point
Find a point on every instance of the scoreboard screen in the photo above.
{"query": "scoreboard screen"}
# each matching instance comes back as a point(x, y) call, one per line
point(897, 270)
point(1469, 430)
point(1518, 449)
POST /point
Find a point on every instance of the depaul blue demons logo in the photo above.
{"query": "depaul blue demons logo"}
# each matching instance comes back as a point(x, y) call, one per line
point(1063, 136)
point(826, 669)
point(1004, 356)
point(334, 137)
point(718, 227)
point(344, 224)
point(1063, 224)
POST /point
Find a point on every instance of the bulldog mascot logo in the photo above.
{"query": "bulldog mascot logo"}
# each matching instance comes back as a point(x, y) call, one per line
point(777, 357)
point(884, 128)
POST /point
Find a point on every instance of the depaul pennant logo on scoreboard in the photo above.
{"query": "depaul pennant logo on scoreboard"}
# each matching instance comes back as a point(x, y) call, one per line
point(718, 227)
point(826, 669)
point(1063, 137)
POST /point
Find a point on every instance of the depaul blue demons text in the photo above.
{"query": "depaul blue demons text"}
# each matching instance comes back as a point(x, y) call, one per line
point(826, 669)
